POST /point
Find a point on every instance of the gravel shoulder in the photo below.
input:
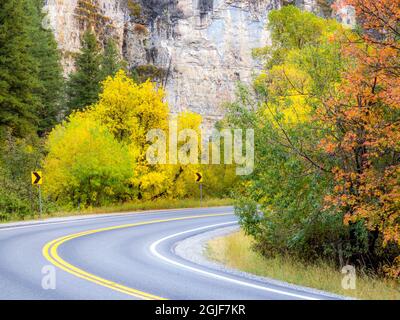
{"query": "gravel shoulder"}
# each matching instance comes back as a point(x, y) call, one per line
point(194, 249)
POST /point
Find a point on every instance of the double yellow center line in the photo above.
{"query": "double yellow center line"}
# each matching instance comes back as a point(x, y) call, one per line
point(50, 252)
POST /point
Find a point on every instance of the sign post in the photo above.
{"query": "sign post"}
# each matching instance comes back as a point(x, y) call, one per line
point(40, 203)
point(37, 180)
point(201, 195)
point(199, 179)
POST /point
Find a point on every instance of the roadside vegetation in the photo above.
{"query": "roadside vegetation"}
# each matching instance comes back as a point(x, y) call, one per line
point(86, 133)
point(237, 251)
point(325, 110)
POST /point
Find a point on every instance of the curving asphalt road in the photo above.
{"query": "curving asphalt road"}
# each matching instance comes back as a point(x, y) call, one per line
point(124, 256)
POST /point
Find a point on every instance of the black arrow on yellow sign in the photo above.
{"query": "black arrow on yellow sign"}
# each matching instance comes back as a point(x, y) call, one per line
point(199, 177)
point(37, 178)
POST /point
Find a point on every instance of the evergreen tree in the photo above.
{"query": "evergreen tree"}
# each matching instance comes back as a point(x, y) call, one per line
point(112, 61)
point(18, 71)
point(84, 84)
point(46, 53)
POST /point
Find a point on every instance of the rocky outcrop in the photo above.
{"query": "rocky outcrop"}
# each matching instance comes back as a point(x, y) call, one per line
point(70, 18)
point(206, 50)
point(200, 48)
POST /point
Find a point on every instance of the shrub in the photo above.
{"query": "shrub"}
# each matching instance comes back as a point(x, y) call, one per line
point(86, 165)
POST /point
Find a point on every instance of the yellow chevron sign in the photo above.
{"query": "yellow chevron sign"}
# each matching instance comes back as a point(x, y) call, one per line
point(37, 178)
point(199, 177)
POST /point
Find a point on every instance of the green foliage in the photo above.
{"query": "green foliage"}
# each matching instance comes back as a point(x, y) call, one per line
point(135, 9)
point(30, 101)
point(30, 73)
point(18, 71)
point(104, 147)
point(150, 72)
point(44, 50)
point(111, 62)
point(85, 165)
point(291, 29)
point(219, 180)
point(92, 67)
point(282, 203)
point(17, 158)
point(83, 86)
point(99, 155)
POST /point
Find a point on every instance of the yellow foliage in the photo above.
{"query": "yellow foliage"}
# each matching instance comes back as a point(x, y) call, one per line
point(182, 182)
point(85, 164)
point(106, 145)
point(290, 87)
point(130, 110)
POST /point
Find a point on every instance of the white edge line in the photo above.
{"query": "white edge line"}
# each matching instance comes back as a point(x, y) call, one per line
point(153, 250)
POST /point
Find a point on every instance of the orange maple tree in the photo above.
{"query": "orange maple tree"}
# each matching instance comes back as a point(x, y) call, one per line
point(365, 115)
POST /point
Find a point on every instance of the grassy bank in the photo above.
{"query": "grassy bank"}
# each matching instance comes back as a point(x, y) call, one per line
point(134, 206)
point(235, 251)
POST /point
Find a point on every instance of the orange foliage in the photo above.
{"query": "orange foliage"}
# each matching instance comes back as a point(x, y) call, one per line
point(366, 115)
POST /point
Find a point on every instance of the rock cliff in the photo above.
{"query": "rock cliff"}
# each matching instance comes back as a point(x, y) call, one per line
point(198, 49)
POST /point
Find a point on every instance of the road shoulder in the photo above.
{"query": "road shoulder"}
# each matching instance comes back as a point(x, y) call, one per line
point(193, 249)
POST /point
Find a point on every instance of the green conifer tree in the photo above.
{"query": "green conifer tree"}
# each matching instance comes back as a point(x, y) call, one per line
point(83, 86)
point(18, 71)
point(45, 51)
point(112, 61)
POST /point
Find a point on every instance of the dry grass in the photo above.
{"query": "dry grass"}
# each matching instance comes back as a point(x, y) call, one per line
point(235, 251)
point(137, 206)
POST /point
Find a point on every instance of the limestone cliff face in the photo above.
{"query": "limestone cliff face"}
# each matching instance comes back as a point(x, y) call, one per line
point(70, 18)
point(206, 51)
point(202, 48)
